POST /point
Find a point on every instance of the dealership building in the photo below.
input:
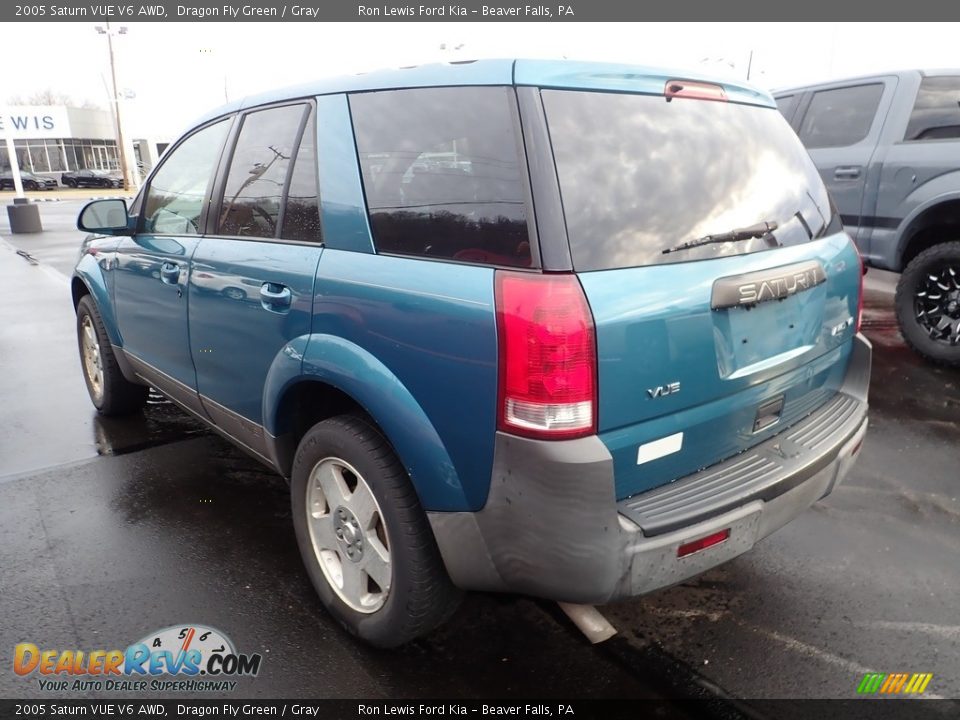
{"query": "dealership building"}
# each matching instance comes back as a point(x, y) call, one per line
point(52, 139)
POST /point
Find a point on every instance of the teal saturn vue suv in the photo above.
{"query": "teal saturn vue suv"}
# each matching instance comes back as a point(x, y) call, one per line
point(571, 330)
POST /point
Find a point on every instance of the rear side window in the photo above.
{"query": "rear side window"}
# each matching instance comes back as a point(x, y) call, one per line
point(441, 172)
point(301, 215)
point(840, 117)
point(261, 160)
point(639, 175)
point(936, 113)
point(176, 196)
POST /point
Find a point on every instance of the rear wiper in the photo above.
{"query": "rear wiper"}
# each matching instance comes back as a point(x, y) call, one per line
point(759, 230)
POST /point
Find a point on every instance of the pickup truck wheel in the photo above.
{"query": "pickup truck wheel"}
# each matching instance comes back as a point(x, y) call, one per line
point(363, 536)
point(928, 304)
point(110, 392)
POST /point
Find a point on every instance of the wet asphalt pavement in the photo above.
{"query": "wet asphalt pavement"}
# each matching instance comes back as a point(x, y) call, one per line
point(111, 529)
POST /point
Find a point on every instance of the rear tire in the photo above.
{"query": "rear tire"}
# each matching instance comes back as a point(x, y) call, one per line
point(110, 392)
point(928, 304)
point(364, 539)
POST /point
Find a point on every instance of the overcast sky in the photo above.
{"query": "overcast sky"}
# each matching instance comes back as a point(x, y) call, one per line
point(180, 70)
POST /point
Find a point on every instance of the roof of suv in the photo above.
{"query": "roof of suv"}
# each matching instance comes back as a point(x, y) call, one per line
point(565, 74)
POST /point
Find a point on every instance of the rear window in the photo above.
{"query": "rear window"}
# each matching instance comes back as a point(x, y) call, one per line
point(639, 174)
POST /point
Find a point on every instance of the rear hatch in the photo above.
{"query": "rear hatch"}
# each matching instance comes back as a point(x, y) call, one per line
point(706, 350)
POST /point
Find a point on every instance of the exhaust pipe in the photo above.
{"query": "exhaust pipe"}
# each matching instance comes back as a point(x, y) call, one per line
point(589, 621)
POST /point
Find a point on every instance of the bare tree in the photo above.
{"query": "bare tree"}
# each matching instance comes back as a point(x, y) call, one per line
point(50, 96)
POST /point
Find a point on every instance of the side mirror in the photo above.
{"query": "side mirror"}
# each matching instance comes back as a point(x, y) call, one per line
point(105, 217)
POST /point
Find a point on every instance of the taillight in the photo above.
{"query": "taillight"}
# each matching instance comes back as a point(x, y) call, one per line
point(860, 294)
point(548, 358)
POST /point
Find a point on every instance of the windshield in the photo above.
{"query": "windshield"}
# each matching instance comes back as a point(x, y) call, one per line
point(639, 175)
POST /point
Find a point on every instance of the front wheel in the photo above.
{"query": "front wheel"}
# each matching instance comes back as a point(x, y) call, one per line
point(928, 304)
point(364, 539)
point(110, 392)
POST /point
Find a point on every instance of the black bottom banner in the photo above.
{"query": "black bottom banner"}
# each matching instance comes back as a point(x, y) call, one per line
point(887, 709)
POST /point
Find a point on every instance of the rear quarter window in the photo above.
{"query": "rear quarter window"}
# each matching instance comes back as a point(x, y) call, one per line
point(442, 174)
point(936, 112)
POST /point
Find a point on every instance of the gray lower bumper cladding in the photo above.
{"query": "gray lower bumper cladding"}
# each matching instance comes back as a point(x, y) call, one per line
point(552, 527)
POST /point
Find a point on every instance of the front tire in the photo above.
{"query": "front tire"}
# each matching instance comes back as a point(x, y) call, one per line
point(928, 304)
point(363, 537)
point(110, 392)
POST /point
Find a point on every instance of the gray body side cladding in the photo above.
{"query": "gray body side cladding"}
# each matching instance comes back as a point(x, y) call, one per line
point(549, 527)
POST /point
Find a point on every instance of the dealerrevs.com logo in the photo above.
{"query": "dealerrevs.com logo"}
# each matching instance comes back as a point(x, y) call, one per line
point(182, 658)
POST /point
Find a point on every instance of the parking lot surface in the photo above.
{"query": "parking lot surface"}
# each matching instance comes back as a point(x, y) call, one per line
point(112, 529)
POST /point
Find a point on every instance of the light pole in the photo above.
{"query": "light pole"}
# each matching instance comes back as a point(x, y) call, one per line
point(115, 101)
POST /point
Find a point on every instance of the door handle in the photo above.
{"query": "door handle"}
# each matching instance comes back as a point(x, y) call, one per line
point(274, 296)
point(847, 172)
point(170, 273)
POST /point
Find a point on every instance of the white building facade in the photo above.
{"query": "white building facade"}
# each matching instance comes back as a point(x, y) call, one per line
point(53, 139)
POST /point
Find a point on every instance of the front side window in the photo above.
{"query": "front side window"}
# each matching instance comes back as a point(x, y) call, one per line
point(175, 199)
point(442, 173)
point(936, 112)
point(840, 117)
point(254, 188)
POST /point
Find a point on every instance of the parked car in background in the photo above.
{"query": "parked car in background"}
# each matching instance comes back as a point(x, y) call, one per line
point(92, 178)
point(888, 148)
point(372, 285)
point(30, 181)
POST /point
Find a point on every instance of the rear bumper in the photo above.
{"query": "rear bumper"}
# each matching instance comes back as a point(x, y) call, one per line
point(552, 528)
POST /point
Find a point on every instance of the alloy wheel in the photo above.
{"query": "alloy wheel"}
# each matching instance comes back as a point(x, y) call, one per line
point(92, 359)
point(937, 304)
point(348, 535)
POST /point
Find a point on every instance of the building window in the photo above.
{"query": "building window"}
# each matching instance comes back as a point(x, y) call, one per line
point(38, 156)
point(23, 156)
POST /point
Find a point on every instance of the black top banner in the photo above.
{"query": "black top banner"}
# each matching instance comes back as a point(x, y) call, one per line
point(473, 11)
